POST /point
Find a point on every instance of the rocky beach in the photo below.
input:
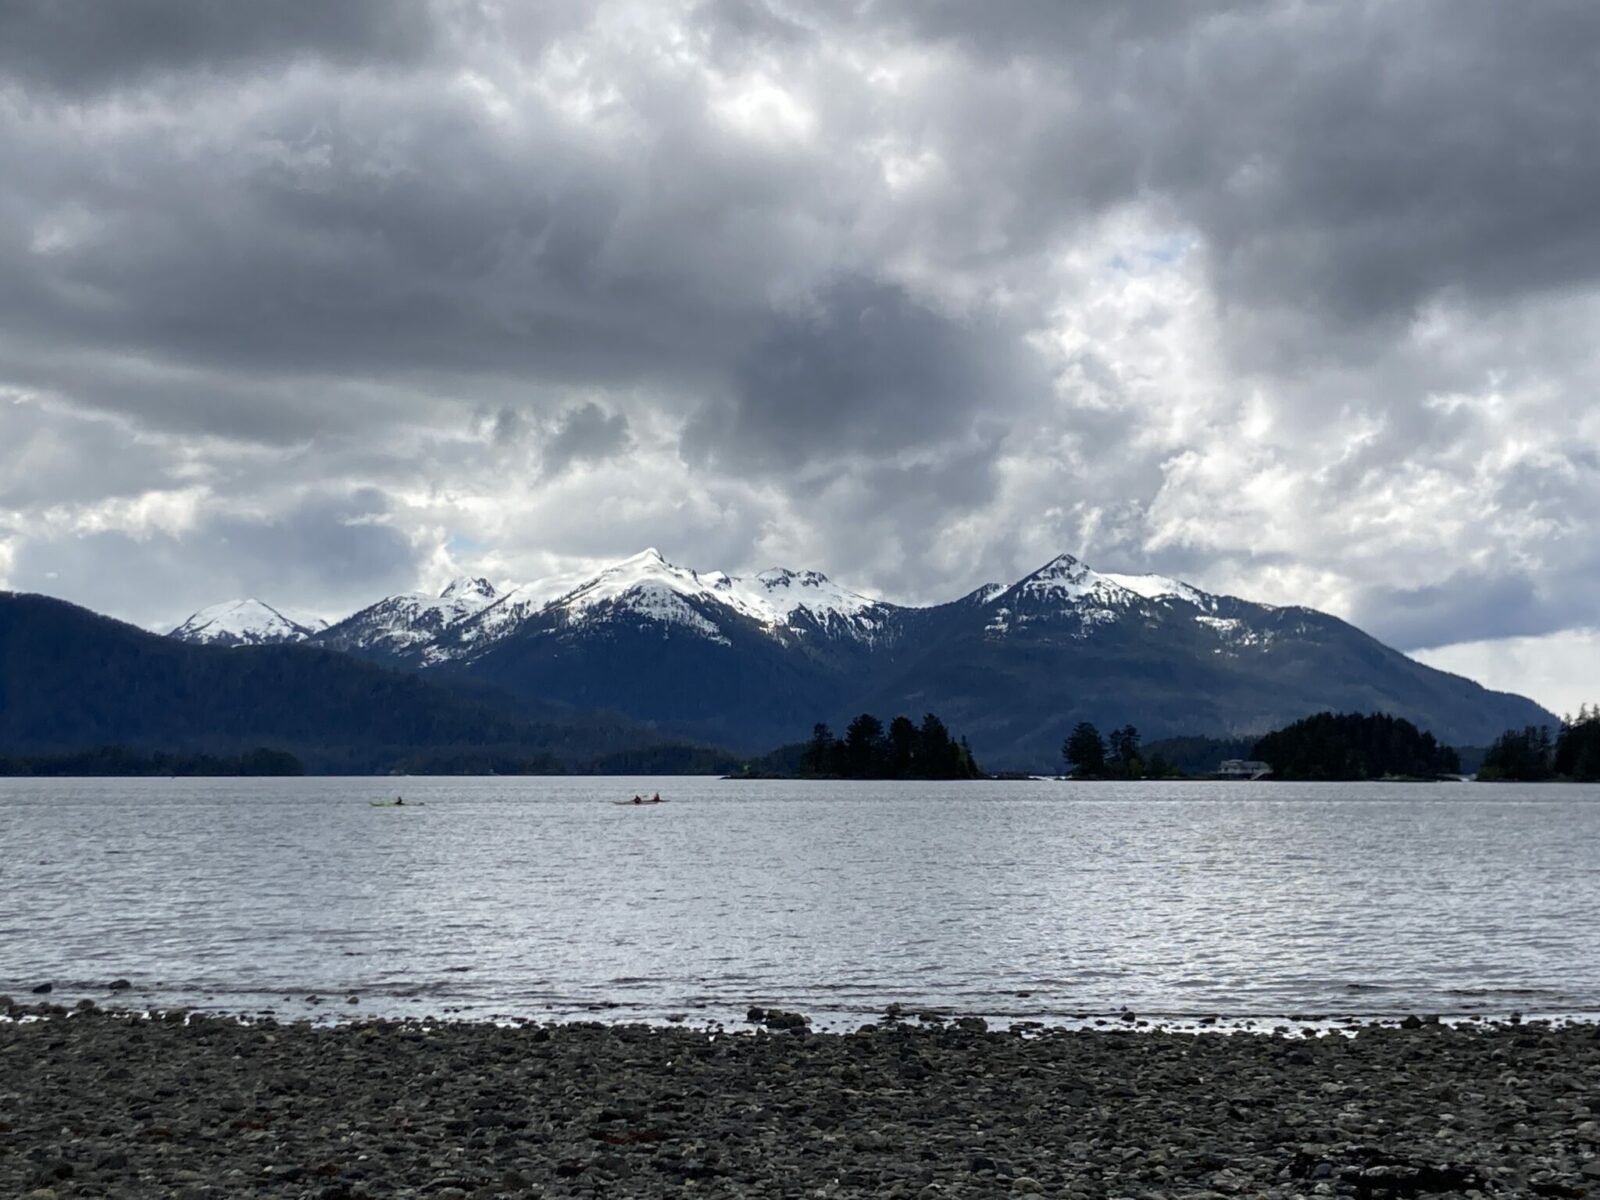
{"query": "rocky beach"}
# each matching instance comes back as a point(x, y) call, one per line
point(98, 1103)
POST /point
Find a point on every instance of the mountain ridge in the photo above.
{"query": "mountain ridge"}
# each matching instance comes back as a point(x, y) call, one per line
point(751, 661)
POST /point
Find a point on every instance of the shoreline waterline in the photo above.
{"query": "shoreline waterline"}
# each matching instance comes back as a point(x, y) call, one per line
point(355, 1008)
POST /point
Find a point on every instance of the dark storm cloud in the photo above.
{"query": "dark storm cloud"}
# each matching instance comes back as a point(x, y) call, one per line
point(1473, 606)
point(1030, 28)
point(375, 232)
point(585, 433)
point(1346, 162)
point(863, 370)
point(735, 25)
point(84, 45)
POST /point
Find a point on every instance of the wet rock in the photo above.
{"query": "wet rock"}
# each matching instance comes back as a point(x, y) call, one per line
point(43, 989)
point(119, 985)
point(777, 1018)
point(208, 1109)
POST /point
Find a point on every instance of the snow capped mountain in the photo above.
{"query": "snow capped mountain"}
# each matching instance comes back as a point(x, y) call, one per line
point(1066, 589)
point(400, 625)
point(774, 599)
point(779, 600)
point(646, 589)
point(754, 660)
point(800, 600)
point(470, 616)
point(246, 623)
point(646, 586)
point(464, 589)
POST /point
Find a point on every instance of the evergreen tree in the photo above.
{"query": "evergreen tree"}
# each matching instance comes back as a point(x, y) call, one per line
point(966, 765)
point(935, 752)
point(1577, 746)
point(1124, 746)
point(1085, 751)
point(1354, 746)
point(902, 748)
point(865, 749)
point(1520, 755)
point(869, 751)
point(819, 752)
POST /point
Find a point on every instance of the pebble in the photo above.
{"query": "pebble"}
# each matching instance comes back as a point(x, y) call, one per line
point(115, 1104)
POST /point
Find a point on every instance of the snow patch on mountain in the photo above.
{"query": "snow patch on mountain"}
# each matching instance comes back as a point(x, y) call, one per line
point(1066, 587)
point(412, 619)
point(1062, 587)
point(246, 623)
point(645, 584)
point(1159, 587)
point(1065, 578)
point(773, 599)
point(651, 599)
point(466, 589)
point(778, 598)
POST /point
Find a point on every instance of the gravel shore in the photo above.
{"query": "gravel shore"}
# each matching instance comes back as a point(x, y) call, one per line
point(102, 1104)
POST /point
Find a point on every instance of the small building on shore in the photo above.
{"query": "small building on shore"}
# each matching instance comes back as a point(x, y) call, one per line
point(1243, 768)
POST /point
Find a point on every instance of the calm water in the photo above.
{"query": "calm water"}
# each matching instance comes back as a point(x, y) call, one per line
point(537, 897)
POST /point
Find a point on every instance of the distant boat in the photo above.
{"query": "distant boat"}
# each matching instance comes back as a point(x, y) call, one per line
point(639, 803)
point(397, 802)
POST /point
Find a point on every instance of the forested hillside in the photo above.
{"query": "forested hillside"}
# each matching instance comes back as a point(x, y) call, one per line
point(71, 680)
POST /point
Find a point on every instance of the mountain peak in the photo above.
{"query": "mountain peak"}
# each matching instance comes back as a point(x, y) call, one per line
point(1063, 564)
point(783, 577)
point(1062, 573)
point(468, 586)
point(247, 622)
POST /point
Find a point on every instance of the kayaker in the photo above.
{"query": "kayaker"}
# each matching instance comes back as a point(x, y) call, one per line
point(399, 800)
point(656, 799)
point(638, 799)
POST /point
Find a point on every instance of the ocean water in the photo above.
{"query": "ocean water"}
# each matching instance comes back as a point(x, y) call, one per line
point(510, 897)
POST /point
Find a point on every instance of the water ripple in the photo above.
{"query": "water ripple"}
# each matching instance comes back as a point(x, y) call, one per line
point(536, 897)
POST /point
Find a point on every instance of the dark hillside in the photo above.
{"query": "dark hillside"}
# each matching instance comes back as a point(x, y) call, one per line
point(71, 680)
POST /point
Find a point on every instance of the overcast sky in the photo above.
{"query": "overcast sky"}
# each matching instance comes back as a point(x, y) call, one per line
point(317, 302)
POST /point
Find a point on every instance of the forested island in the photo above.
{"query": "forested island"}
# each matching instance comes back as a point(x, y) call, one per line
point(1325, 746)
point(1344, 746)
point(1535, 755)
point(903, 749)
point(1355, 746)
